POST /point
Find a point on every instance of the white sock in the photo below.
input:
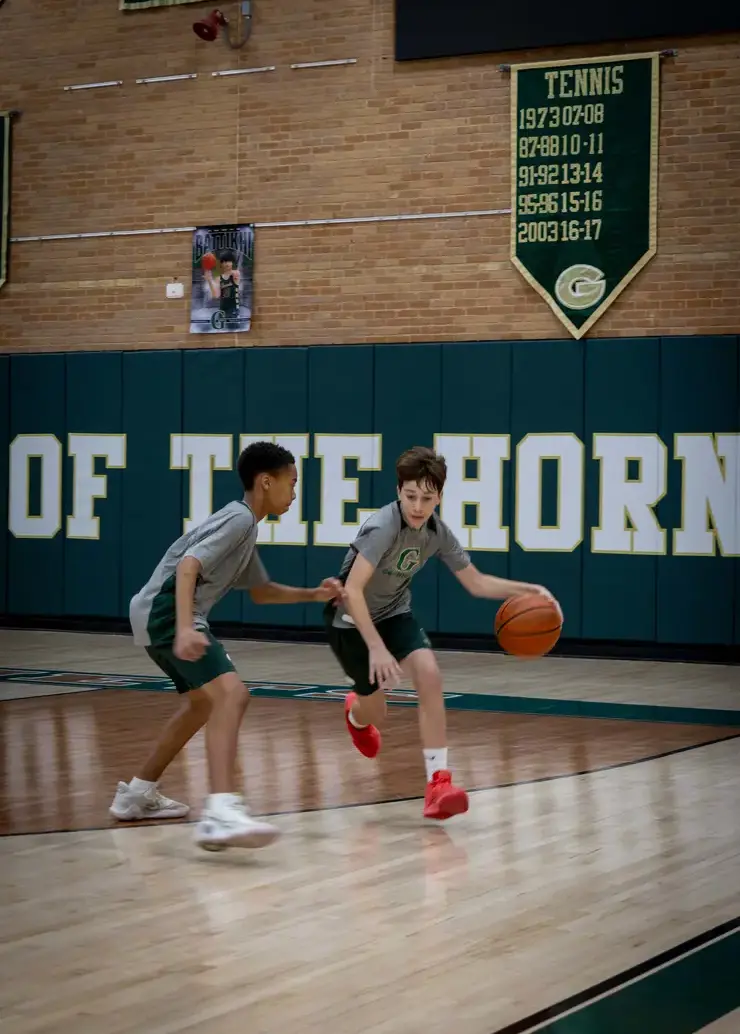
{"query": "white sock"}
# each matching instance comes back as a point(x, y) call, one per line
point(353, 721)
point(435, 760)
point(140, 785)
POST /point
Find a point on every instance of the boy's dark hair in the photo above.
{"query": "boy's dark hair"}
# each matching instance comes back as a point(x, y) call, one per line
point(262, 458)
point(423, 466)
point(227, 256)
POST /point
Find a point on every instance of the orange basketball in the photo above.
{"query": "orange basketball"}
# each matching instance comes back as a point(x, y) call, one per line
point(208, 261)
point(528, 626)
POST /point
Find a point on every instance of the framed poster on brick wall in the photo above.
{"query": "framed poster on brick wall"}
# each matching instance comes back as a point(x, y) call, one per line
point(222, 279)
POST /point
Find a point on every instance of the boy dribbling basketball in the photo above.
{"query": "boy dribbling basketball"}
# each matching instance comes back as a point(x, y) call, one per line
point(169, 617)
point(373, 633)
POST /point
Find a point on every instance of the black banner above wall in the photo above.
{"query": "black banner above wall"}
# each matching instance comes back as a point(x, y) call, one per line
point(436, 28)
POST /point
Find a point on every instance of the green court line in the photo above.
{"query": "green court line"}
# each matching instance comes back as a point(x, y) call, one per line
point(481, 702)
point(680, 992)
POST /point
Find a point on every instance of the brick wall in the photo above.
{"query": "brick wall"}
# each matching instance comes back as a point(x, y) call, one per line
point(374, 138)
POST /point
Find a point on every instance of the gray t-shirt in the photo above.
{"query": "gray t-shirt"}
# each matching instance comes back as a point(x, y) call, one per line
point(225, 545)
point(397, 552)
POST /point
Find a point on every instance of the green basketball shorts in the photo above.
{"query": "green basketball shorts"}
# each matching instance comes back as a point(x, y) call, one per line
point(188, 675)
point(402, 635)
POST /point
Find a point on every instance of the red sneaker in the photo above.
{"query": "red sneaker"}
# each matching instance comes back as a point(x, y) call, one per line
point(443, 799)
point(366, 740)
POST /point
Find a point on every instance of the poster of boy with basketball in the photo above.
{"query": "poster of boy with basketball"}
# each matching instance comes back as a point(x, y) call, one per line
point(222, 279)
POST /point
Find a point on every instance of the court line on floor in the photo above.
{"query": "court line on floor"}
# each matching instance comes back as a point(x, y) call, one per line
point(546, 1020)
point(150, 823)
point(549, 1018)
point(499, 703)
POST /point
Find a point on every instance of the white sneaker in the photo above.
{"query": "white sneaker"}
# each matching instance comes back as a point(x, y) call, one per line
point(129, 805)
point(226, 822)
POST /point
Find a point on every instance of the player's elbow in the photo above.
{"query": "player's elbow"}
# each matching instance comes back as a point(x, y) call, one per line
point(353, 595)
point(189, 566)
point(260, 593)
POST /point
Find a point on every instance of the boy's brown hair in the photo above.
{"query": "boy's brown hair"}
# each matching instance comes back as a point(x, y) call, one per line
point(423, 466)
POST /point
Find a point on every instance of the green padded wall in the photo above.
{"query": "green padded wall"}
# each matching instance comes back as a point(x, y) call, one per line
point(90, 563)
point(698, 393)
point(622, 391)
point(276, 382)
point(340, 401)
point(93, 401)
point(4, 446)
point(547, 397)
point(736, 562)
point(152, 505)
point(36, 571)
point(407, 412)
point(476, 399)
point(213, 403)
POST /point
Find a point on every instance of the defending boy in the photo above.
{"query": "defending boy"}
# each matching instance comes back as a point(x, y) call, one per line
point(169, 617)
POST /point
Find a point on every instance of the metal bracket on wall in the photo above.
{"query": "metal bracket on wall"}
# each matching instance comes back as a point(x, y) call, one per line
point(245, 10)
point(506, 69)
point(219, 74)
point(325, 64)
point(243, 71)
point(167, 78)
point(282, 224)
point(94, 86)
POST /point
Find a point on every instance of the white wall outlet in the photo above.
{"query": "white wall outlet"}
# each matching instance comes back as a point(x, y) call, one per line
point(175, 290)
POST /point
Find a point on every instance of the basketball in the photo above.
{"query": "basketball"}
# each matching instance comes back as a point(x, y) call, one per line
point(528, 626)
point(208, 261)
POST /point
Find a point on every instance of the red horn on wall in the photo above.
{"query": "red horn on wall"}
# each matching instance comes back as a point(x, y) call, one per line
point(207, 28)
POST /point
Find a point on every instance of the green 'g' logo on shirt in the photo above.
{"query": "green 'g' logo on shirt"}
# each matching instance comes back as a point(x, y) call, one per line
point(408, 559)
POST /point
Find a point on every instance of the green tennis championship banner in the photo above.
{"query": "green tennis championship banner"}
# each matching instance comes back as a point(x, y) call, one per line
point(139, 5)
point(5, 131)
point(584, 155)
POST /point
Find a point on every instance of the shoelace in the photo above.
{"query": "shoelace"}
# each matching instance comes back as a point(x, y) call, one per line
point(240, 807)
point(157, 799)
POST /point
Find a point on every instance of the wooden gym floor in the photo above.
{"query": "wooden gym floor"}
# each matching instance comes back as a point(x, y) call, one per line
point(593, 888)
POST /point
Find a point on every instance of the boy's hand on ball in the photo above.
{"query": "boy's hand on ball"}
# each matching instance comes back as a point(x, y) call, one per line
point(542, 591)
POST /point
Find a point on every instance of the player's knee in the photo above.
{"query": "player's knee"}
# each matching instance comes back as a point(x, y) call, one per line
point(200, 704)
point(424, 671)
point(227, 690)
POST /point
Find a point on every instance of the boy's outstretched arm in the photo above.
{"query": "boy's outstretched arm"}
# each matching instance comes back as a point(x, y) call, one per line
point(262, 590)
point(488, 586)
point(272, 592)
